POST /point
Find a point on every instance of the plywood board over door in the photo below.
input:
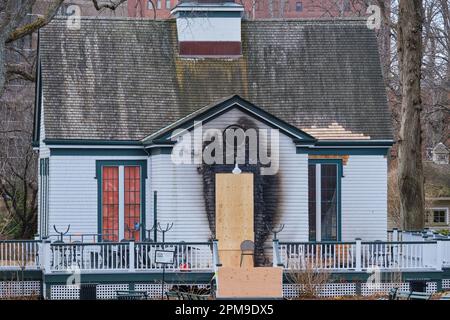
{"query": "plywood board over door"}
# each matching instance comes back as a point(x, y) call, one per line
point(234, 216)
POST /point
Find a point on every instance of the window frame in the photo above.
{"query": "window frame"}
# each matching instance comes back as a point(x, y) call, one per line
point(143, 176)
point(446, 217)
point(339, 165)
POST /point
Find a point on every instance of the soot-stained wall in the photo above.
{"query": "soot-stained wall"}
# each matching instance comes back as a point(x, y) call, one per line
point(266, 191)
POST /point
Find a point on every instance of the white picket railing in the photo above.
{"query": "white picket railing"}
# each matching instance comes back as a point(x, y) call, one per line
point(187, 256)
point(89, 256)
point(19, 254)
point(425, 254)
point(398, 255)
point(445, 244)
point(359, 256)
point(325, 255)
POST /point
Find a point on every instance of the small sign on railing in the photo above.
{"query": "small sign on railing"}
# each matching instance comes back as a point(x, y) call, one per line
point(164, 257)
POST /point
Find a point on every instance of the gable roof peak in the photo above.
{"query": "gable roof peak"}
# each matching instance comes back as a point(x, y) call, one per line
point(217, 108)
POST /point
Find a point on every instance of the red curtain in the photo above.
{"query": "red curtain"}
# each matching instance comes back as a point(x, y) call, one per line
point(132, 202)
point(110, 203)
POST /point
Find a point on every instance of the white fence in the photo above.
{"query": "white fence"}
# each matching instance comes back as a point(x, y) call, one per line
point(15, 255)
point(129, 256)
point(359, 256)
point(56, 257)
point(327, 256)
point(187, 256)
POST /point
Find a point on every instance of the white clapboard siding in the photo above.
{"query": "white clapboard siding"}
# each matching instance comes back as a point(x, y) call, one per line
point(74, 191)
point(180, 199)
point(180, 190)
point(44, 152)
point(364, 198)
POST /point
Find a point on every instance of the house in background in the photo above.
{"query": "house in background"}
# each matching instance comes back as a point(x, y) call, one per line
point(437, 188)
point(440, 154)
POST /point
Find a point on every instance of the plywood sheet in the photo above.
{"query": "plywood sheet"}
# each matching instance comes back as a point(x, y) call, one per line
point(234, 215)
point(250, 282)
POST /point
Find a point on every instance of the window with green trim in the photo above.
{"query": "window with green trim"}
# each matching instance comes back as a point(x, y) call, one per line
point(121, 199)
point(324, 200)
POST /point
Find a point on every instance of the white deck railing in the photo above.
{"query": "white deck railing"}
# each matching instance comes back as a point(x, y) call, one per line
point(326, 256)
point(128, 256)
point(363, 256)
point(426, 253)
point(19, 254)
point(89, 256)
point(188, 256)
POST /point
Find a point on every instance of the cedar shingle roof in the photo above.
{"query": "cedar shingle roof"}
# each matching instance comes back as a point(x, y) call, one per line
point(122, 79)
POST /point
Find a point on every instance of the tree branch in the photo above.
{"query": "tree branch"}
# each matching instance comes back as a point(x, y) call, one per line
point(112, 5)
point(21, 71)
point(36, 24)
point(385, 13)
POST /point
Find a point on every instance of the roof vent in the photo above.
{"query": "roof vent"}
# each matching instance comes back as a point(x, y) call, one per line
point(209, 28)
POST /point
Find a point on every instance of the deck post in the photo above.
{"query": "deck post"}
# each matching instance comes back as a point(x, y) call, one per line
point(358, 255)
point(131, 253)
point(395, 235)
point(45, 254)
point(439, 254)
point(276, 254)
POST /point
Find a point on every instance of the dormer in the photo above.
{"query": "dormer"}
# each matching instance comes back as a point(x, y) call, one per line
point(208, 28)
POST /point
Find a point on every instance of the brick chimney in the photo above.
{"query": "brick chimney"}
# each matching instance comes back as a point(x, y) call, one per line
point(209, 28)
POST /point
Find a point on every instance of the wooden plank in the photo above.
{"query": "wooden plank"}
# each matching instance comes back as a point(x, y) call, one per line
point(250, 282)
point(234, 215)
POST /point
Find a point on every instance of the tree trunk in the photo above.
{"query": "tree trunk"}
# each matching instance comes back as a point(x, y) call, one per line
point(410, 168)
point(2, 65)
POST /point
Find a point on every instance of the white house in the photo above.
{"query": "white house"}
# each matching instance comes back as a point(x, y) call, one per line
point(111, 94)
point(219, 130)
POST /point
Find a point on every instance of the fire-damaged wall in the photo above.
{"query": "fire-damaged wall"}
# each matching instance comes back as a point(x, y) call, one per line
point(266, 191)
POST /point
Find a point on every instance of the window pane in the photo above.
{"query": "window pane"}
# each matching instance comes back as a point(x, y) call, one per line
point(110, 203)
point(167, 4)
point(312, 201)
point(439, 216)
point(329, 202)
point(132, 202)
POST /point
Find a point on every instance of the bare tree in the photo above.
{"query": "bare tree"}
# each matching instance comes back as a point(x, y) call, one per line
point(410, 169)
point(14, 25)
point(18, 181)
point(18, 186)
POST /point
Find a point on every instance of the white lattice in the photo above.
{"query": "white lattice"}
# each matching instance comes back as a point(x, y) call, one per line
point(326, 290)
point(64, 292)
point(431, 287)
point(19, 288)
point(108, 291)
point(154, 289)
point(369, 289)
point(445, 283)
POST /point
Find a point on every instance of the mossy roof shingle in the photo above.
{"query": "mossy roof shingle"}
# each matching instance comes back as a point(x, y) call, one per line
point(122, 79)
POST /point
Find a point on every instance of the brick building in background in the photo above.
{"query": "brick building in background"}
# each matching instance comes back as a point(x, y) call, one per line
point(261, 9)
